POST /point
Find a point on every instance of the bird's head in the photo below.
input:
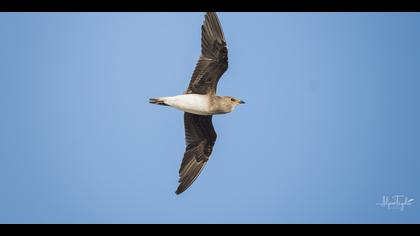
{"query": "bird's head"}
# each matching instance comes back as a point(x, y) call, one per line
point(232, 102)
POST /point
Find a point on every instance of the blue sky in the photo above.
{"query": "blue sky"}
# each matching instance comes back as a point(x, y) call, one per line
point(331, 123)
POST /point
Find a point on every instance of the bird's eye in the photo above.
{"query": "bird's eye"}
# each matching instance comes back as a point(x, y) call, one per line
point(232, 99)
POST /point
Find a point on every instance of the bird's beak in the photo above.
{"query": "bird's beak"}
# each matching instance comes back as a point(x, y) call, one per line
point(241, 102)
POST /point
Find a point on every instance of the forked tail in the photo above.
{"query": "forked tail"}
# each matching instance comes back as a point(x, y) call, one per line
point(157, 101)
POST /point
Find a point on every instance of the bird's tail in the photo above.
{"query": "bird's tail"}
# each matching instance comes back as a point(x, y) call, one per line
point(157, 101)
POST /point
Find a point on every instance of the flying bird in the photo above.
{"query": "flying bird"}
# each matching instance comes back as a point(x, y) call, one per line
point(200, 102)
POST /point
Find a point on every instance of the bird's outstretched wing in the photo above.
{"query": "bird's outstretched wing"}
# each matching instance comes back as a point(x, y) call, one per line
point(200, 138)
point(213, 61)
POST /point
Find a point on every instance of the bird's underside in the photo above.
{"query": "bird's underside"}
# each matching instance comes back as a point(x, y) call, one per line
point(192, 103)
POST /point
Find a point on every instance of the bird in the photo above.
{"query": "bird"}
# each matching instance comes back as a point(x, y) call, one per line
point(199, 102)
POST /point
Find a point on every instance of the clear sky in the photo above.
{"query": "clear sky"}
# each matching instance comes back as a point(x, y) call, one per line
point(330, 125)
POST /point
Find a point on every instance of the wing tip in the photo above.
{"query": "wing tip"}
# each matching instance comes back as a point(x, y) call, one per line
point(182, 187)
point(186, 182)
point(179, 191)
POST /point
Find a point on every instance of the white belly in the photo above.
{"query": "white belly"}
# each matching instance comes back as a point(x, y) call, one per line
point(191, 103)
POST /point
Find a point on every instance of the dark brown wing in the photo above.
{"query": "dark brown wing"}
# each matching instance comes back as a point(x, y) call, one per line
point(200, 138)
point(213, 61)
